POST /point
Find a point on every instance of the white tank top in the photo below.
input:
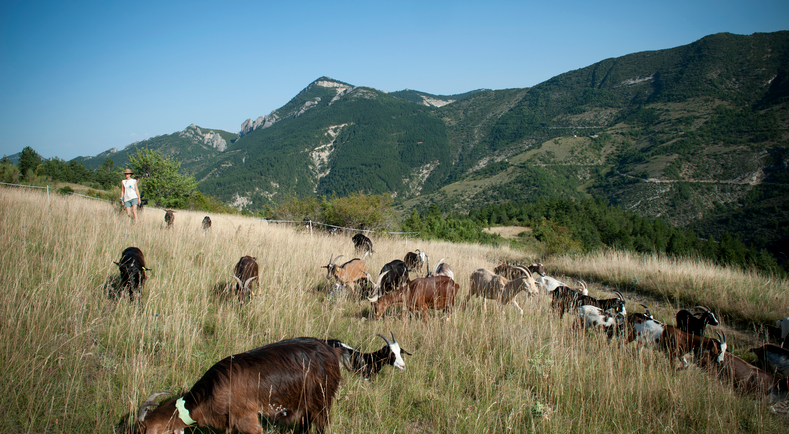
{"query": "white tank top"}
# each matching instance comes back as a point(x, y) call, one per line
point(128, 189)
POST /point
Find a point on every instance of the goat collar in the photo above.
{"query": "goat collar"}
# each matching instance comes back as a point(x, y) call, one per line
point(183, 413)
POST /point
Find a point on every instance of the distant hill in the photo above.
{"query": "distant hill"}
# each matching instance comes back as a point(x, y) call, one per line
point(695, 134)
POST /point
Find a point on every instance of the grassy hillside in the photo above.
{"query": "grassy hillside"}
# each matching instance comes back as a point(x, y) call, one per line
point(76, 360)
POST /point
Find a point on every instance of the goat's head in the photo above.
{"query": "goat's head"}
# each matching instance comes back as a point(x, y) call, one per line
point(156, 423)
point(584, 289)
point(395, 352)
point(538, 268)
point(331, 268)
point(721, 344)
point(706, 315)
point(243, 289)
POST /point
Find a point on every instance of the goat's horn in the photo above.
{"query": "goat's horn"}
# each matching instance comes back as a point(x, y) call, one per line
point(722, 338)
point(705, 308)
point(385, 340)
point(394, 340)
point(525, 270)
point(619, 294)
point(248, 280)
point(380, 278)
point(150, 402)
point(240, 283)
point(374, 299)
point(439, 263)
point(335, 259)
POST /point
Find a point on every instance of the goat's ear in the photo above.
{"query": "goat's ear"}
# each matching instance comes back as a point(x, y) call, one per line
point(402, 351)
point(116, 263)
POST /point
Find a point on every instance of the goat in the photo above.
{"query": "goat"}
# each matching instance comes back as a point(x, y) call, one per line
point(348, 273)
point(610, 304)
point(687, 322)
point(564, 298)
point(169, 218)
point(415, 260)
point(291, 381)
point(486, 284)
point(436, 292)
point(245, 271)
point(362, 244)
point(206, 224)
point(644, 327)
point(596, 318)
point(397, 276)
point(746, 378)
point(369, 364)
point(773, 358)
point(515, 271)
point(549, 284)
point(132, 268)
point(676, 343)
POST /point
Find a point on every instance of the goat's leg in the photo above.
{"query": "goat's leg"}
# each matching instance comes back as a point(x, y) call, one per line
point(515, 303)
point(249, 424)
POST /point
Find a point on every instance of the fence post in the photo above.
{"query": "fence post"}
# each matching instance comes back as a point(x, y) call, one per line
point(310, 228)
point(47, 192)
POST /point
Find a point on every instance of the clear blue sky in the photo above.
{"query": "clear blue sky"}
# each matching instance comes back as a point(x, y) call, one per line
point(78, 78)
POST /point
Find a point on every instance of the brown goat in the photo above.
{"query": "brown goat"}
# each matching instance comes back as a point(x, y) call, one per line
point(437, 292)
point(246, 270)
point(348, 273)
point(291, 382)
point(746, 378)
point(169, 218)
point(488, 285)
point(676, 343)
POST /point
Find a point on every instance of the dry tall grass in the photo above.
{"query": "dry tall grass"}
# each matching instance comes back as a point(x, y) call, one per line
point(75, 360)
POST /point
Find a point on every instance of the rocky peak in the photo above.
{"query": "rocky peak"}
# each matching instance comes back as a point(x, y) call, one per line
point(209, 138)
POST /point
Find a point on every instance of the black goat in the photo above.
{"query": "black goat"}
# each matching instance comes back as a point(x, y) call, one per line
point(291, 381)
point(369, 364)
point(396, 277)
point(362, 244)
point(773, 359)
point(414, 260)
point(687, 322)
point(206, 224)
point(616, 305)
point(132, 268)
point(564, 299)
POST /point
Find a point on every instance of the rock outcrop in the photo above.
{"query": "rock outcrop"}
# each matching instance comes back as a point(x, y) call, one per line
point(209, 138)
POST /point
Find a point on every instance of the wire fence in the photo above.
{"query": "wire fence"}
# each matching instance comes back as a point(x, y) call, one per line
point(309, 223)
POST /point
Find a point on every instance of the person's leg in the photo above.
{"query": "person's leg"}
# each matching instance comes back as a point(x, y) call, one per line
point(134, 210)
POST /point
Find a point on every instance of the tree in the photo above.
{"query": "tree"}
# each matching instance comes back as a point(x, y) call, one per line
point(28, 160)
point(159, 179)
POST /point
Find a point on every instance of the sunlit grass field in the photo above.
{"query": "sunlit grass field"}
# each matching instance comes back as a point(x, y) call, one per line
point(75, 359)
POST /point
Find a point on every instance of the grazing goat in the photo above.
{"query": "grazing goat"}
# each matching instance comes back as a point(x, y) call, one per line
point(610, 304)
point(362, 244)
point(437, 292)
point(132, 268)
point(348, 273)
point(486, 284)
point(292, 382)
point(169, 218)
point(565, 299)
point(677, 343)
point(515, 271)
point(596, 318)
point(746, 378)
point(397, 276)
point(687, 322)
point(644, 328)
point(245, 271)
point(369, 364)
point(773, 358)
point(415, 260)
point(206, 224)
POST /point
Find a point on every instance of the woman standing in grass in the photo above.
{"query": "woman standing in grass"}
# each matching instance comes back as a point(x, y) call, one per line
point(130, 195)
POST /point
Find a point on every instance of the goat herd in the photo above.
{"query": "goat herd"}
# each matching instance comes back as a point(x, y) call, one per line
point(294, 381)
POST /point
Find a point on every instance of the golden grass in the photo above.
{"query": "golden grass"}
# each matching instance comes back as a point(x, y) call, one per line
point(75, 360)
